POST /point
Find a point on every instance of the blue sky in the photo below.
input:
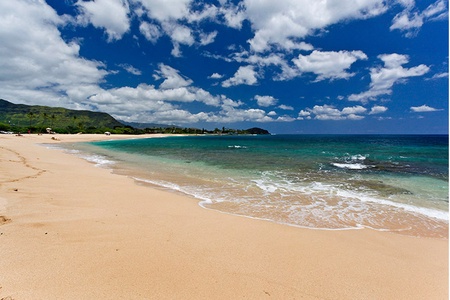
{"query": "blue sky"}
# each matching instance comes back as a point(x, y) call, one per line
point(289, 66)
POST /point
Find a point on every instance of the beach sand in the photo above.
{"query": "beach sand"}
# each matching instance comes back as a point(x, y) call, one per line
point(70, 230)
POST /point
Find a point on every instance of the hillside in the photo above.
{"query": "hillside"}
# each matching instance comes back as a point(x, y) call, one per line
point(21, 117)
point(35, 118)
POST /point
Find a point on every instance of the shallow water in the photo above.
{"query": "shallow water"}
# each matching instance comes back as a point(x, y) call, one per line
point(389, 183)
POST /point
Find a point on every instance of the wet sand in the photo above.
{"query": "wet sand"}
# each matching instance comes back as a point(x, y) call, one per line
point(69, 230)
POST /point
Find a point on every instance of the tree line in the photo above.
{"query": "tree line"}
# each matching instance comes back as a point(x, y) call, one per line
point(43, 122)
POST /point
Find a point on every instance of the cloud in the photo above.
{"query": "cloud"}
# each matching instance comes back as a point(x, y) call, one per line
point(232, 14)
point(377, 109)
point(131, 101)
point(177, 19)
point(440, 75)
point(145, 103)
point(202, 12)
point(172, 78)
point(179, 34)
point(130, 69)
point(164, 11)
point(150, 31)
point(410, 20)
point(383, 78)
point(228, 114)
point(325, 64)
point(207, 38)
point(424, 108)
point(244, 75)
point(328, 64)
point(304, 114)
point(265, 60)
point(265, 101)
point(37, 65)
point(285, 118)
point(232, 115)
point(329, 112)
point(215, 76)
point(353, 110)
point(283, 22)
point(285, 107)
point(100, 13)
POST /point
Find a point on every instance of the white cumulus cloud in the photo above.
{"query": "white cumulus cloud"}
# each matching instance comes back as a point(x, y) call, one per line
point(285, 107)
point(168, 10)
point(281, 22)
point(36, 65)
point(377, 109)
point(329, 112)
point(265, 101)
point(233, 14)
point(410, 20)
point(215, 76)
point(328, 64)
point(111, 15)
point(172, 78)
point(244, 75)
point(383, 78)
point(207, 38)
point(424, 108)
point(151, 32)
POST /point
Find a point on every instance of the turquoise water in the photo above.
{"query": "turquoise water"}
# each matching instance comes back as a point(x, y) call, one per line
point(391, 183)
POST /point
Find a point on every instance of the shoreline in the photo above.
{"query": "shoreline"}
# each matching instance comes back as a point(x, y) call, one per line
point(70, 230)
point(435, 224)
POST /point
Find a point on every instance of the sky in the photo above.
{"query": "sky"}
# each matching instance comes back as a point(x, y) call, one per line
point(288, 66)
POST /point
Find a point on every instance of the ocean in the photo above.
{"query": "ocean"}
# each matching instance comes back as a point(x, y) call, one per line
point(394, 183)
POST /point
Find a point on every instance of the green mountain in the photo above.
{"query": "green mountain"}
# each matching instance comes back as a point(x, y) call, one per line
point(35, 118)
point(21, 118)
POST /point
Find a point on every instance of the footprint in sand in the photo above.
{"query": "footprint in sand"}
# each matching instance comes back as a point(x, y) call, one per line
point(4, 220)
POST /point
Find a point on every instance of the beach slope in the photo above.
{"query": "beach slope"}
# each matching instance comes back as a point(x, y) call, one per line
point(70, 230)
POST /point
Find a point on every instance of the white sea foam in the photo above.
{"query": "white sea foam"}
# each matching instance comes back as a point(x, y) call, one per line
point(98, 160)
point(330, 206)
point(358, 157)
point(269, 188)
point(353, 200)
point(433, 213)
point(52, 146)
point(196, 193)
point(237, 147)
point(352, 166)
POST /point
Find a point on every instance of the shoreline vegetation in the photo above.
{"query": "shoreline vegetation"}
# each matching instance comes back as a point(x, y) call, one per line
point(69, 230)
point(20, 118)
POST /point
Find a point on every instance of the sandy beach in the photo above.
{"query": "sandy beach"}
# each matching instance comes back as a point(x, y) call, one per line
point(70, 230)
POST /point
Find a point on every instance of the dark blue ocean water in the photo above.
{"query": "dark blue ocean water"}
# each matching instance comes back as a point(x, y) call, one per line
point(392, 183)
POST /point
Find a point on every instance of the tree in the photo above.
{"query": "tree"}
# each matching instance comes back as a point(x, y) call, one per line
point(44, 124)
point(30, 116)
point(45, 116)
point(74, 118)
point(53, 117)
